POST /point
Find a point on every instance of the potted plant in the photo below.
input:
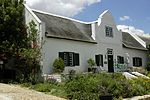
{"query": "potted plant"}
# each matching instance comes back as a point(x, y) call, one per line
point(91, 64)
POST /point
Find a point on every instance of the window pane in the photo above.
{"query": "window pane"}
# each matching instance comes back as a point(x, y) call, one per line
point(109, 31)
point(71, 59)
point(66, 59)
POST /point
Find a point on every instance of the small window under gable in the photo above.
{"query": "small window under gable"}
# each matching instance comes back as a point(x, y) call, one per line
point(109, 31)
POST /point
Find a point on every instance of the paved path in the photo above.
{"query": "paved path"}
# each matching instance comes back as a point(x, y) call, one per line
point(13, 92)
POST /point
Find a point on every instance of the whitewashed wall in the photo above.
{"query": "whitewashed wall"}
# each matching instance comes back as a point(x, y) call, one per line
point(136, 53)
point(86, 50)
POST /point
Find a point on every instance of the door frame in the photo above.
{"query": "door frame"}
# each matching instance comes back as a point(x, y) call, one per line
point(110, 63)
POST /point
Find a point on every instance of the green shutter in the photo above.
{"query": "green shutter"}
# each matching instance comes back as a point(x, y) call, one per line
point(97, 58)
point(101, 60)
point(76, 59)
point(61, 55)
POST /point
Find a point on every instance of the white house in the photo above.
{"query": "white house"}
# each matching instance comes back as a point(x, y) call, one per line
point(75, 42)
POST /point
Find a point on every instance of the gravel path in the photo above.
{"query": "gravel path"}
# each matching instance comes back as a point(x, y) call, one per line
point(14, 92)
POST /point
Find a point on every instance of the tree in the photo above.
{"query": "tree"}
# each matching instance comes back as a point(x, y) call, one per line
point(18, 41)
point(13, 34)
point(31, 54)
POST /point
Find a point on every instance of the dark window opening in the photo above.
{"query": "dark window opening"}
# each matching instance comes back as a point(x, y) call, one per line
point(120, 60)
point(99, 60)
point(137, 62)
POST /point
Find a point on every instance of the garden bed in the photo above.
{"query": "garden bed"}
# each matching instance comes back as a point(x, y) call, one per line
point(91, 86)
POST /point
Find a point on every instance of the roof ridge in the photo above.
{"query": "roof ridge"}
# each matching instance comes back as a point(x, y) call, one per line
point(64, 17)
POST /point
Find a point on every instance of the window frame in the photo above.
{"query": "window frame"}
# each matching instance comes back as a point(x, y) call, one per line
point(70, 59)
point(137, 61)
point(99, 60)
point(108, 31)
point(120, 59)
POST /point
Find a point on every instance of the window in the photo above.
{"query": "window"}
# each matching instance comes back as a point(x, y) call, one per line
point(109, 51)
point(99, 60)
point(109, 31)
point(70, 58)
point(137, 62)
point(120, 60)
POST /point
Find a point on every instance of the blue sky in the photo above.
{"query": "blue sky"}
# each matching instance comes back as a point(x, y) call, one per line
point(138, 12)
point(132, 14)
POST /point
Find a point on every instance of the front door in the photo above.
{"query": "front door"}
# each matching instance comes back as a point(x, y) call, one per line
point(110, 63)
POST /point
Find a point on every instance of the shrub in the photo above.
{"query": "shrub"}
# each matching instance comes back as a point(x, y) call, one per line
point(91, 86)
point(148, 66)
point(58, 65)
point(42, 87)
point(91, 62)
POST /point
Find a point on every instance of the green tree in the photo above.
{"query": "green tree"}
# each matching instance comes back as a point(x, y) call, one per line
point(18, 41)
point(13, 33)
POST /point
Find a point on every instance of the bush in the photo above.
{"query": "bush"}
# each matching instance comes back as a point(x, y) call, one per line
point(94, 85)
point(91, 62)
point(54, 89)
point(91, 86)
point(148, 66)
point(42, 87)
point(58, 65)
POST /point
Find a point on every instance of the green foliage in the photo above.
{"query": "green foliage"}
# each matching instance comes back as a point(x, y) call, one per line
point(19, 42)
point(140, 86)
point(91, 62)
point(12, 27)
point(148, 66)
point(58, 65)
point(91, 86)
point(28, 58)
point(55, 89)
point(46, 87)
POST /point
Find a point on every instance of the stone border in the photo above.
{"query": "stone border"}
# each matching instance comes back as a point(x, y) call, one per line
point(144, 97)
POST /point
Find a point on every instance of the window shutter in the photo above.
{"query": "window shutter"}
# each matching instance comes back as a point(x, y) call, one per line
point(101, 60)
point(61, 55)
point(97, 58)
point(122, 60)
point(134, 62)
point(76, 59)
point(140, 61)
point(118, 59)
